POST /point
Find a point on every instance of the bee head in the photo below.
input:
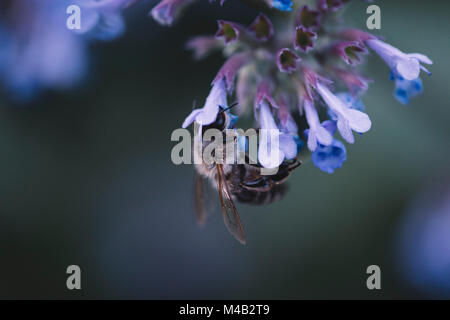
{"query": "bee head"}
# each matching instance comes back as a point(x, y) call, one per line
point(224, 119)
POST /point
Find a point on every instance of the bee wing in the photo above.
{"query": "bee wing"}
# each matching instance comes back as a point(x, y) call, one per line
point(199, 199)
point(229, 213)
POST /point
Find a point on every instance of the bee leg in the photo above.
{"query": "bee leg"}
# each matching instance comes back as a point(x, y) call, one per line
point(261, 184)
point(295, 164)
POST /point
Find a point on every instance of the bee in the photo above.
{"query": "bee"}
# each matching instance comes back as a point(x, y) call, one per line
point(241, 182)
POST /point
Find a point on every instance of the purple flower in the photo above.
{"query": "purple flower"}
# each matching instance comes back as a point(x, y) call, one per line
point(354, 82)
point(287, 60)
point(331, 157)
point(230, 69)
point(304, 39)
point(348, 119)
point(261, 28)
point(317, 133)
point(274, 146)
point(311, 79)
point(307, 18)
point(167, 10)
point(406, 65)
point(356, 35)
point(349, 51)
point(208, 114)
point(287, 123)
point(264, 92)
point(245, 90)
point(228, 31)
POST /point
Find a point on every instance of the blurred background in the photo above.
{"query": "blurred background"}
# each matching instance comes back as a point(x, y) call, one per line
point(86, 179)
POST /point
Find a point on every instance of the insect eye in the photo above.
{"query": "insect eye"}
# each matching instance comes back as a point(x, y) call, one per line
point(218, 124)
point(220, 121)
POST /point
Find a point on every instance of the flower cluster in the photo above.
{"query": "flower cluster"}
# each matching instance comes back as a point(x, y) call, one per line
point(305, 60)
point(299, 65)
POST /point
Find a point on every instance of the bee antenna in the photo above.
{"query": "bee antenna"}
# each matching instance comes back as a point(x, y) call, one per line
point(234, 104)
point(193, 104)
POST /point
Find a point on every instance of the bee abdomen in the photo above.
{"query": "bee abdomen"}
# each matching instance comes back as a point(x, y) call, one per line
point(261, 197)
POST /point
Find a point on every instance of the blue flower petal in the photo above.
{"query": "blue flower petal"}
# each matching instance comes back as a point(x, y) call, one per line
point(282, 5)
point(329, 158)
point(299, 143)
point(405, 90)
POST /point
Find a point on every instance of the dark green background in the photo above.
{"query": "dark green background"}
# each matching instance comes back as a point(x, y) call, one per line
point(86, 178)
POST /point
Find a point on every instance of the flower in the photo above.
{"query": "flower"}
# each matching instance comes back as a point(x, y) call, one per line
point(406, 89)
point(350, 101)
point(230, 69)
point(261, 28)
point(245, 90)
point(264, 93)
point(354, 82)
point(287, 123)
point(405, 69)
point(282, 5)
point(228, 31)
point(331, 157)
point(348, 119)
point(406, 65)
point(304, 39)
point(307, 18)
point(317, 133)
point(349, 50)
point(208, 114)
point(310, 81)
point(274, 146)
point(287, 60)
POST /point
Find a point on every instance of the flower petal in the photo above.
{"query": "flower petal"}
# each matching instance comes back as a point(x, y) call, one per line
point(230, 69)
point(288, 146)
point(261, 28)
point(287, 60)
point(358, 121)
point(190, 118)
point(304, 39)
point(345, 130)
point(421, 57)
point(269, 155)
point(329, 158)
point(228, 31)
point(408, 68)
point(323, 136)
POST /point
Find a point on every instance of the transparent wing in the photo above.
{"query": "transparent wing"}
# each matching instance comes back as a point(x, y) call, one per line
point(199, 199)
point(230, 215)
